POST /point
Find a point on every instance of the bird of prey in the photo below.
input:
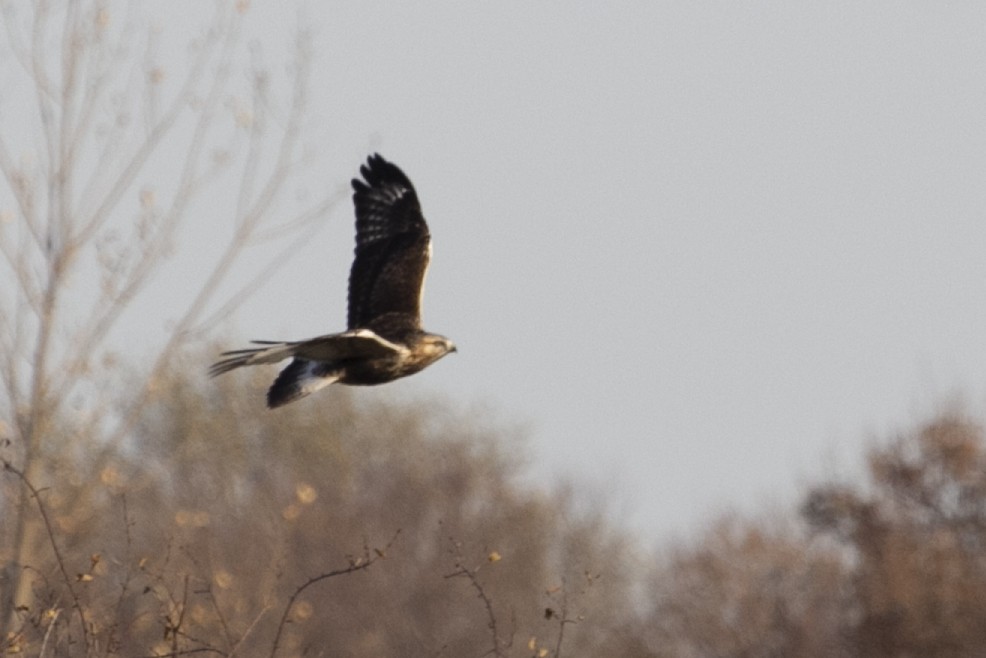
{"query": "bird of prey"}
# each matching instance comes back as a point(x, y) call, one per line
point(384, 340)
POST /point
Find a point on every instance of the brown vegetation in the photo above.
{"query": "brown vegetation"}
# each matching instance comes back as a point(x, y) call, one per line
point(341, 529)
point(333, 529)
point(892, 567)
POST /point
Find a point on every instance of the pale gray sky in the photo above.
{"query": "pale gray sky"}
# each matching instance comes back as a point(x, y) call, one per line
point(701, 250)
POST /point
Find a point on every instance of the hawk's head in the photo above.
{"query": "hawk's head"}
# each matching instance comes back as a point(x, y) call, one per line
point(433, 347)
point(425, 349)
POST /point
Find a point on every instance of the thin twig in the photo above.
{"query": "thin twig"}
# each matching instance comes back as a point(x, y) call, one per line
point(76, 603)
point(563, 618)
point(185, 652)
point(471, 575)
point(246, 633)
point(359, 564)
point(227, 635)
point(51, 627)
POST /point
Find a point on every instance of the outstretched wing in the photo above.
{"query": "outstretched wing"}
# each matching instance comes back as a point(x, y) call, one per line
point(393, 248)
point(361, 344)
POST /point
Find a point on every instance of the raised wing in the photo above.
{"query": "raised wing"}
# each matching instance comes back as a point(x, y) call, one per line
point(393, 248)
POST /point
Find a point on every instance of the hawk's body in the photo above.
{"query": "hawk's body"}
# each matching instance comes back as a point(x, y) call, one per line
point(384, 340)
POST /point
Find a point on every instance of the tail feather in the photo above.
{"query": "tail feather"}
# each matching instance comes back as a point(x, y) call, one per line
point(299, 379)
point(251, 356)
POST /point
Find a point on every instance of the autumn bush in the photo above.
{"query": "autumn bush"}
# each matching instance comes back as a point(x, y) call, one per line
point(346, 527)
point(893, 566)
point(196, 533)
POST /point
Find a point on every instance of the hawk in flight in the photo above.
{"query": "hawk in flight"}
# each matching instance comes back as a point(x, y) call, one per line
point(384, 339)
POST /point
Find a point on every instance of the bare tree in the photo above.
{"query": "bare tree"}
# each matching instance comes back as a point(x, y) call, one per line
point(916, 535)
point(892, 566)
point(106, 152)
point(748, 588)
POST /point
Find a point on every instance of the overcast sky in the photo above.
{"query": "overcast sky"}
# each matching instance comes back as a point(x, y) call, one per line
point(702, 252)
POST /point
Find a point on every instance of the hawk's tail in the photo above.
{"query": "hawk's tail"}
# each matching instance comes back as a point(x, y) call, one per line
point(301, 378)
point(271, 353)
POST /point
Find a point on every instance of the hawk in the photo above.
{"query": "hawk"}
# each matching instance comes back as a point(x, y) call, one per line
point(384, 340)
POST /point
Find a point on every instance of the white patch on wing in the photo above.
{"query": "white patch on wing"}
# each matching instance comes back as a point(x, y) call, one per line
point(372, 335)
point(424, 277)
point(309, 381)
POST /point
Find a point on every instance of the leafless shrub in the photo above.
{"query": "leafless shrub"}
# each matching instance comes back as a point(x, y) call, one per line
point(97, 179)
point(471, 573)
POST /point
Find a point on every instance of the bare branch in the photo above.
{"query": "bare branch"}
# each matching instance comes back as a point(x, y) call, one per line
point(472, 575)
point(186, 652)
point(51, 627)
point(561, 615)
point(245, 227)
point(129, 171)
point(17, 181)
point(274, 264)
point(361, 563)
point(76, 603)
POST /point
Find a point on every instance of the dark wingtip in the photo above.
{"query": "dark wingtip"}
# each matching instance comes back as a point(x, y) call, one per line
point(274, 401)
point(285, 388)
point(278, 396)
point(378, 171)
point(374, 161)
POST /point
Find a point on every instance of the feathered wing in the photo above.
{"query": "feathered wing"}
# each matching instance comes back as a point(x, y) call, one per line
point(317, 362)
point(361, 343)
point(393, 248)
point(301, 378)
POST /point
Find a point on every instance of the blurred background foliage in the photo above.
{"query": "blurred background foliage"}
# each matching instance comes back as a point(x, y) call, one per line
point(197, 535)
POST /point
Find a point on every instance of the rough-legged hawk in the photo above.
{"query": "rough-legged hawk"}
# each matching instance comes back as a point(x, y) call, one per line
point(384, 340)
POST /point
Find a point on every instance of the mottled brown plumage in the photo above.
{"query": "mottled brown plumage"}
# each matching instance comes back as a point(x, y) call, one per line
point(384, 340)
